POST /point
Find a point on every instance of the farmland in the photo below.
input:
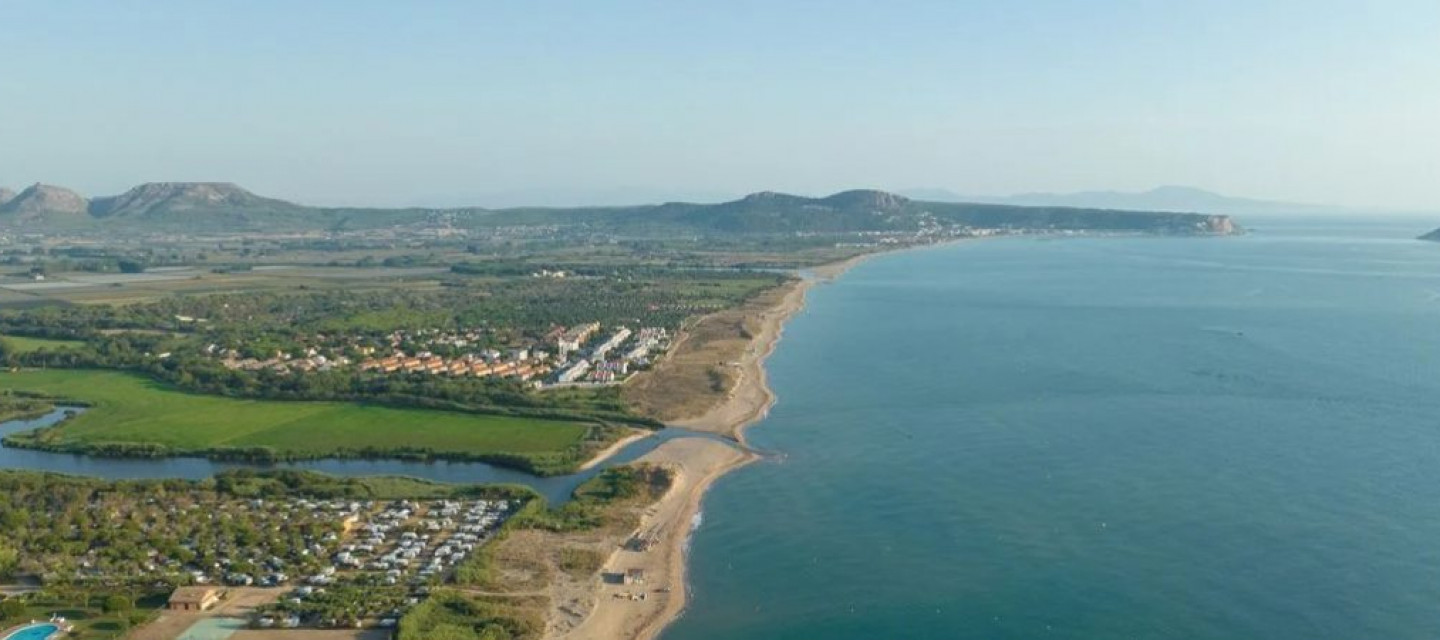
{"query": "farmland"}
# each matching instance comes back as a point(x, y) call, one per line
point(131, 414)
point(24, 344)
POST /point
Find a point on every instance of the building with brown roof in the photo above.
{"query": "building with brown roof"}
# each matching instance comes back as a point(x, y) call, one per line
point(193, 598)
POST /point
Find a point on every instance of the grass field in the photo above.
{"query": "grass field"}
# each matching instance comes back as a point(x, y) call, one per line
point(129, 409)
point(22, 344)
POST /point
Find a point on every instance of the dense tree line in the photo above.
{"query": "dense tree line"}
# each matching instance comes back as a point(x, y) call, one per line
point(452, 615)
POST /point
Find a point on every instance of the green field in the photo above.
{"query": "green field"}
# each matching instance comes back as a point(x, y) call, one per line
point(127, 409)
point(22, 344)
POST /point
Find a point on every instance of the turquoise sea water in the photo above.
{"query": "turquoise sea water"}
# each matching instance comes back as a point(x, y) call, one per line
point(1096, 438)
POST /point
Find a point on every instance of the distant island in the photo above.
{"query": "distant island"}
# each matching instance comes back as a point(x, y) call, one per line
point(1433, 236)
point(214, 207)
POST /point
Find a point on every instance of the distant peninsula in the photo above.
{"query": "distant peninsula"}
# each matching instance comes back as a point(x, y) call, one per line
point(217, 207)
point(1433, 236)
point(1171, 198)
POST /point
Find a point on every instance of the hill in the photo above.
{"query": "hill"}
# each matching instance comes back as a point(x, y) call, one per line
point(1166, 198)
point(161, 199)
point(45, 205)
point(207, 207)
point(863, 210)
point(1433, 236)
point(6, 195)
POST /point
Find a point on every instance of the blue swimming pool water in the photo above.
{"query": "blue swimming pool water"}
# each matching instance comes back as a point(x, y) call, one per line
point(34, 632)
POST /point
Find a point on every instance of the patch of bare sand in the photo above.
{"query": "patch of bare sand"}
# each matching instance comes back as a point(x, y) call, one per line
point(749, 397)
point(603, 608)
point(705, 369)
point(604, 454)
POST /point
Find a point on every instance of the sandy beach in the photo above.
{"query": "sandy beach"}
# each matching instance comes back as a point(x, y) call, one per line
point(698, 462)
point(604, 454)
point(617, 613)
point(751, 398)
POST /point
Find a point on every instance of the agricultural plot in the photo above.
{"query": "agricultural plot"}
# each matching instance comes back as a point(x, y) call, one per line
point(126, 409)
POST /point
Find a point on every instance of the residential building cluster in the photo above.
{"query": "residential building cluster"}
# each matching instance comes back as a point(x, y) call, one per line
point(579, 354)
point(522, 364)
point(310, 359)
point(571, 339)
point(613, 358)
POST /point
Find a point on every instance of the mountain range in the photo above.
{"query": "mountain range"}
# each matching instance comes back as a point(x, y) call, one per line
point(214, 207)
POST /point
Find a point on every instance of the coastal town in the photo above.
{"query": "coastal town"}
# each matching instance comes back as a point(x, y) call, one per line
point(567, 356)
point(365, 565)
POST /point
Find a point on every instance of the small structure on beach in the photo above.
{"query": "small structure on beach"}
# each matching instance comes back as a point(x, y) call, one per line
point(644, 540)
point(193, 598)
point(634, 576)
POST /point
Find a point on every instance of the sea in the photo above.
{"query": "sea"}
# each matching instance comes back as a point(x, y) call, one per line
point(1096, 438)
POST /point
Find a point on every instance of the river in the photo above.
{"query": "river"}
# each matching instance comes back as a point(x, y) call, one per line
point(556, 489)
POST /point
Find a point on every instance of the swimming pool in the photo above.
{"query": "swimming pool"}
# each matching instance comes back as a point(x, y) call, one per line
point(40, 631)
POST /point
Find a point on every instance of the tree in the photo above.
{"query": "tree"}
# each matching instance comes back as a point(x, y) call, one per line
point(117, 604)
point(12, 608)
point(9, 560)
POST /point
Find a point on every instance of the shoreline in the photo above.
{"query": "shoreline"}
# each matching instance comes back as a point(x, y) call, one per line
point(731, 420)
point(614, 448)
point(751, 399)
point(699, 463)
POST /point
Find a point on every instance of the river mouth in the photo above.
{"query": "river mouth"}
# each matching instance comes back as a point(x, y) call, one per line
point(556, 489)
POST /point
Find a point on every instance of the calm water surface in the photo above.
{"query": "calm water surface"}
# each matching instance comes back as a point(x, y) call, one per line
point(1097, 438)
point(556, 489)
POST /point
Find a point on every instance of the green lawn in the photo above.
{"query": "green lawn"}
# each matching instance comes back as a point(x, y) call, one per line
point(90, 622)
point(22, 344)
point(126, 408)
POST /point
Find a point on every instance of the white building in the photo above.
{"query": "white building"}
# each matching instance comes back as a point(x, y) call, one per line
point(615, 340)
point(574, 372)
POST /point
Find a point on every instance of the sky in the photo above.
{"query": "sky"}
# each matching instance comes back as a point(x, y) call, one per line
point(436, 103)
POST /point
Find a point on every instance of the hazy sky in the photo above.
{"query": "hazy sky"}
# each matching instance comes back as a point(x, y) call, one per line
point(432, 102)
